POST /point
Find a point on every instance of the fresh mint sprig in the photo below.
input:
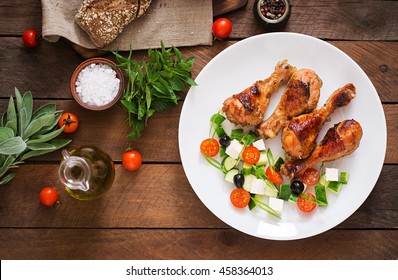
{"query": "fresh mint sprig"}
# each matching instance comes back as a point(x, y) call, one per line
point(153, 85)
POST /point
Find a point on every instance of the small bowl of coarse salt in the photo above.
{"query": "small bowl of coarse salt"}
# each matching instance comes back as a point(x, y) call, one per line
point(97, 84)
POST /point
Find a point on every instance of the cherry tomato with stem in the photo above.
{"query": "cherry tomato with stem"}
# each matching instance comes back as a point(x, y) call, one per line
point(274, 175)
point(306, 202)
point(240, 198)
point(131, 160)
point(70, 121)
point(48, 196)
point(251, 155)
point(31, 38)
point(310, 177)
point(221, 28)
point(210, 147)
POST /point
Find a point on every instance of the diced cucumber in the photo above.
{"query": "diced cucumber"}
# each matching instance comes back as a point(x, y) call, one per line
point(279, 161)
point(249, 138)
point(222, 152)
point(217, 119)
point(344, 177)
point(263, 159)
point(334, 186)
point(293, 197)
point(220, 131)
point(284, 191)
point(322, 180)
point(229, 163)
point(237, 134)
point(321, 196)
point(247, 168)
point(270, 189)
point(229, 176)
point(248, 182)
point(252, 204)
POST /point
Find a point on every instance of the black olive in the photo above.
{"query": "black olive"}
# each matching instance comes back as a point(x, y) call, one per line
point(225, 140)
point(239, 180)
point(297, 186)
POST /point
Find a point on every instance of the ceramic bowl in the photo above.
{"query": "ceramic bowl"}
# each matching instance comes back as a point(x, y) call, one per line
point(84, 64)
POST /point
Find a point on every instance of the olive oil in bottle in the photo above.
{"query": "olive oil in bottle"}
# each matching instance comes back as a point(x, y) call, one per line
point(86, 172)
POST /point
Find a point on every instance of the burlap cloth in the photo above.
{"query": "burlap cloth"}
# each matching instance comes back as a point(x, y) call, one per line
point(176, 22)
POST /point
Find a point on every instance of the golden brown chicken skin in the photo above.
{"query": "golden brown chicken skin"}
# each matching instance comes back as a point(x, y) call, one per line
point(300, 96)
point(299, 136)
point(247, 107)
point(341, 140)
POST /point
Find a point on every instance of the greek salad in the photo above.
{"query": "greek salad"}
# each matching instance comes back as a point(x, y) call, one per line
point(254, 172)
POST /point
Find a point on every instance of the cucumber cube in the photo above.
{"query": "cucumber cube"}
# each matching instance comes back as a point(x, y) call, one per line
point(320, 194)
point(284, 191)
point(334, 186)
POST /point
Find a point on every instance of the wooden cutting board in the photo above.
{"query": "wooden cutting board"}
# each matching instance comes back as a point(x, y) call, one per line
point(220, 7)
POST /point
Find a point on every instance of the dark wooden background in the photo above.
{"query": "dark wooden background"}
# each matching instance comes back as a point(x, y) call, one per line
point(153, 213)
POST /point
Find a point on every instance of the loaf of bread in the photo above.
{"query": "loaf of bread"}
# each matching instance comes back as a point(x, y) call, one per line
point(104, 20)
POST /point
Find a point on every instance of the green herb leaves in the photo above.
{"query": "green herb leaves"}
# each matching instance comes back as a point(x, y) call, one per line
point(153, 85)
point(25, 134)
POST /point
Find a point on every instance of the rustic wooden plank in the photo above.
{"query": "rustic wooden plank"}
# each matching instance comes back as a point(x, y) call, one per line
point(155, 196)
point(159, 141)
point(51, 65)
point(334, 20)
point(110, 244)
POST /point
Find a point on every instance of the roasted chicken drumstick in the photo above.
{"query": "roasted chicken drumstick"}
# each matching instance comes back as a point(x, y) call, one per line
point(300, 96)
point(299, 136)
point(339, 141)
point(248, 107)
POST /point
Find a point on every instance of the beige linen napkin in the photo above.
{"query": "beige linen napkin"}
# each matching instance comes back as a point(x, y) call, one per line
point(176, 22)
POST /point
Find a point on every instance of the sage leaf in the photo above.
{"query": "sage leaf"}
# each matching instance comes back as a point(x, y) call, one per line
point(6, 133)
point(49, 108)
point(6, 165)
point(46, 137)
point(7, 178)
point(12, 146)
point(22, 122)
point(40, 146)
point(11, 116)
point(27, 103)
point(37, 124)
point(57, 144)
point(18, 98)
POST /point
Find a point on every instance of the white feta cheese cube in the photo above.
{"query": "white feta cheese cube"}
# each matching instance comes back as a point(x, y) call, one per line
point(228, 126)
point(331, 174)
point(258, 186)
point(276, 204)
point(259, 144)
point(234, 149)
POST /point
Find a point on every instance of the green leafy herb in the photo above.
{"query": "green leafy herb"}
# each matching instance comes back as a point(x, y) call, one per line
point(153, 84)
point(25, 134)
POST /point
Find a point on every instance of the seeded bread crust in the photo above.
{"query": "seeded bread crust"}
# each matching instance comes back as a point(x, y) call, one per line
point(104, 20)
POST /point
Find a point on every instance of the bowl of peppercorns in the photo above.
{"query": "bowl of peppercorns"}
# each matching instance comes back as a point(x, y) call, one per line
point(272, 13)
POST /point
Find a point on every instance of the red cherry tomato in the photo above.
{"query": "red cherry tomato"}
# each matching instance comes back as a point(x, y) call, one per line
point(48, 196)
point(222, 27)
point(70, 121)
point(306, 202)
point(310, 177)
point(210, 147)
point(274, 175)
point(31, 38)
point(240, 198)
point(251, 155)
point(131, 160)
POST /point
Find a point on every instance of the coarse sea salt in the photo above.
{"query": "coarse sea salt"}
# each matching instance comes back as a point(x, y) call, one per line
point(97, 84)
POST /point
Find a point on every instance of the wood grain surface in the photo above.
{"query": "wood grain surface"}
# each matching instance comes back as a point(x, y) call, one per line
point(154, 213)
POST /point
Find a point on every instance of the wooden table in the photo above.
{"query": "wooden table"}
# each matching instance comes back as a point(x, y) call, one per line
point(154, 213)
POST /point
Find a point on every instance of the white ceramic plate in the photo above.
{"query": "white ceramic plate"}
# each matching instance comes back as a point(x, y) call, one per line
point(252, 59)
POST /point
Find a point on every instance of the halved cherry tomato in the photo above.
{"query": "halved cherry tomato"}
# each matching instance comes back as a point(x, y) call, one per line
point(210, 147)
point(48, 196)
point(274, 175)
point(70, 121)
point(240, 198)
point(251, 155)
point(31, 38)
point(222, 27)
point(310, 177)
point(306, 202)
point(131, 160)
